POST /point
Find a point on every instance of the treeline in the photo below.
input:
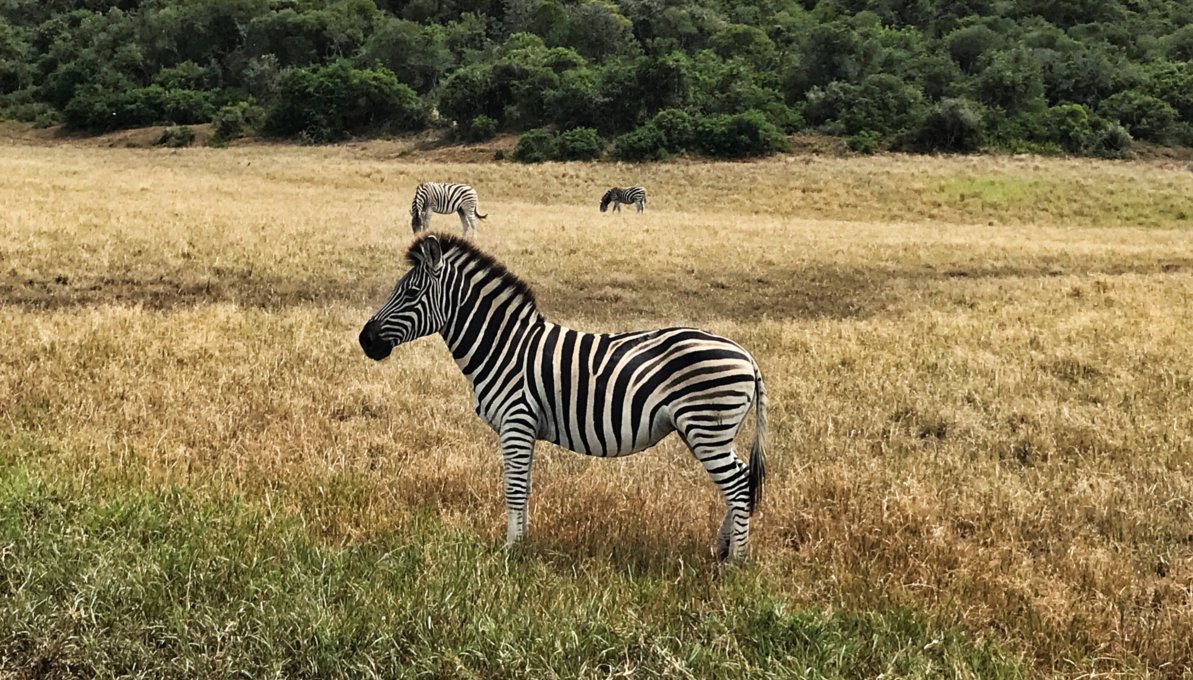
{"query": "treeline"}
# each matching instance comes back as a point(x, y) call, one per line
point(635, 80)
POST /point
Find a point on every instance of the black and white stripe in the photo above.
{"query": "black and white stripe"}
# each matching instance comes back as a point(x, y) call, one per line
point(444, 199)
point(597, 394)
point(627, 195)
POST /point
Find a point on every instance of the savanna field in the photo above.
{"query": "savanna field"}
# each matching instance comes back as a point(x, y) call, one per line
point(981, 421)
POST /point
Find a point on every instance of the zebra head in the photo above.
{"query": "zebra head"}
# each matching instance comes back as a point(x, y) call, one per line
point(415, 307)
point(607, 199)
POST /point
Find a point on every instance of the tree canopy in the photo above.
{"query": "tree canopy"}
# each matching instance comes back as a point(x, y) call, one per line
point(642, 79)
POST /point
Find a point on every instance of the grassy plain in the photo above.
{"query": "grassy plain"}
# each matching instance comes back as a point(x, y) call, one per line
point(981, 454)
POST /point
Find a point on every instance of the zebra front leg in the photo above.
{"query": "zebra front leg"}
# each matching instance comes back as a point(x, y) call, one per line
point(641, 205)
point(517, 453)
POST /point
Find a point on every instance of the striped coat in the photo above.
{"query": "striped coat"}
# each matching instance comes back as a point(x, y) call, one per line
point(596, 394)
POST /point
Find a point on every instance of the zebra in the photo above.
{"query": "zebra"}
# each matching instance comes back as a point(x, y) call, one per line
point(595, 394)
point(627, 195)
point(444, 199)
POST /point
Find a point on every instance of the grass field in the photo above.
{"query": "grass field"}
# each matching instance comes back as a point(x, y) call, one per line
point(981, 445)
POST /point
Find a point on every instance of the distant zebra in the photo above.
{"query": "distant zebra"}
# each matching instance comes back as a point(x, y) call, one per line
point(601, 395)
point(627, 195)
point(444, 199)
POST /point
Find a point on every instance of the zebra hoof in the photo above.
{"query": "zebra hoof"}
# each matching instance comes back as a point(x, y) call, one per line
point(721, 552)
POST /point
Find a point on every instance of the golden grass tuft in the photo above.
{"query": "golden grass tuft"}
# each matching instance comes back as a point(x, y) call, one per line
point(979, 368)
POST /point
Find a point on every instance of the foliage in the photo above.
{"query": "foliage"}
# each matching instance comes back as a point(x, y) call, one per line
point(535, 146)
point(739, 135)
point(864, 142)
point(579, 144)
point(839, 67)
point(646, 143)
point(176, 136)
point(327, 103)
point(237, 120)
point(479, 129)
point(1144, 116)
point(952, 125)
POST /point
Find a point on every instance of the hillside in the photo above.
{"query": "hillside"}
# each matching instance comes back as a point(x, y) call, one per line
point(638, 80)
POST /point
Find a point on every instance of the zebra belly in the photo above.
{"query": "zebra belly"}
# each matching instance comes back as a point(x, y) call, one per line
point(608, 443)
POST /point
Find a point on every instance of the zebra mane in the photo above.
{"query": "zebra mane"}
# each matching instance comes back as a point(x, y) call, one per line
point(470, 253)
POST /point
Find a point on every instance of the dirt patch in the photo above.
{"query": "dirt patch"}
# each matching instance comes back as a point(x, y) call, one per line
point(178, 289)
point(775, 292)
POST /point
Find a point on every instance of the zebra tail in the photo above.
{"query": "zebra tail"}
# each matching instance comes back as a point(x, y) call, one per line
point(758, 450)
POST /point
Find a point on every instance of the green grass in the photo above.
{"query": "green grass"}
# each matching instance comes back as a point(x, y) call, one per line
point(96, 581)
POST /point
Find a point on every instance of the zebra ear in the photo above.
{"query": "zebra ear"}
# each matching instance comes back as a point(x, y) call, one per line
point(431, 253)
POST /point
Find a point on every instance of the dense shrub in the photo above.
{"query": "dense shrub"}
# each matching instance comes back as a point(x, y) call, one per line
point(176, 136)
point(881, 103)
point(951, 125)
point(646, 143)
point(327, 103)
point(677, 128)
point(535, 146)
point(1144, 116)
point(740, 135)
point(237, 120)
point(1072, 127)
point(98, 109)
point(579, 144)
point(633, 72)
point(864, 142)
point(479, 129)
point(1113, 141)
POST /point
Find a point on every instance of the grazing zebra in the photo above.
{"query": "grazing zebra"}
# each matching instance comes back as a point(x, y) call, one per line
point(601, 395)
point(627, 195)
point(444, 199)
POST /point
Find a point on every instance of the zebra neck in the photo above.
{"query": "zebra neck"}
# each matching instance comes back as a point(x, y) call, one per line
point(486, 333)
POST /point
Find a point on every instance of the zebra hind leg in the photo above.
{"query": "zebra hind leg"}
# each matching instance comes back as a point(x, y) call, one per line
point(732, 477)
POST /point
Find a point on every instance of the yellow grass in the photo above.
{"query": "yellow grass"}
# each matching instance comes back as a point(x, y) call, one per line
point(981, 370)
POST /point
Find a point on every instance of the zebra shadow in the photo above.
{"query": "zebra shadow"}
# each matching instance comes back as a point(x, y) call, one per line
point(631, 549)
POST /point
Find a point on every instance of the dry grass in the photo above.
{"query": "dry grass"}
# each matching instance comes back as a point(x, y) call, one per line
point(980, 369)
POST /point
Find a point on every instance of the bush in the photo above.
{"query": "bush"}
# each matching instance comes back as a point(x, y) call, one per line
point(1071, 126)
point(646, 143)
point(740, 135)
point(864, 142)
point(535, 146)
point(951, 125)
point(327, 103)
point(176, 136)
point(236, 120)
point(1113, 141)
point(677, 128)
point(1144, 116)
point(479, 129)
point(97, 109)
point(579, 144)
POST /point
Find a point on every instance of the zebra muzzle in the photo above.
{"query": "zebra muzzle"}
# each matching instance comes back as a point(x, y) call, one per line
point(372, 343)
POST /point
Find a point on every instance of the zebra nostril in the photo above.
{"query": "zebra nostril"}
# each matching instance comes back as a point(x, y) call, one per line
point(373, 345)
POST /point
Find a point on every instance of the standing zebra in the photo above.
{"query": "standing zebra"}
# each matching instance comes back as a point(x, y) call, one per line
point(627, 195)
point(444, 199)
point(601, 395)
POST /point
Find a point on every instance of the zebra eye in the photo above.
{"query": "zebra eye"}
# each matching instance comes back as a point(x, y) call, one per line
point(409, 295)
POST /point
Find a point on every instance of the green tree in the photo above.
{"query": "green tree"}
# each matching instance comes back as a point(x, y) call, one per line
point(1144, 116)
point(326, 103)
